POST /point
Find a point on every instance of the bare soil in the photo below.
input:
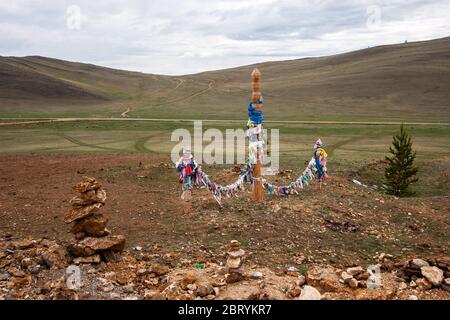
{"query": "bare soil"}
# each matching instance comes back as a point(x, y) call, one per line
point(342, 224)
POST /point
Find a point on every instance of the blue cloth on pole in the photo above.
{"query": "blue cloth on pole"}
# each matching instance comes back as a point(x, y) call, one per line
point(256, 116)
point(318, 166)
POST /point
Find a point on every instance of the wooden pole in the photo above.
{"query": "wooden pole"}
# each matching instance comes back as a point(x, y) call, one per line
point(258, 193)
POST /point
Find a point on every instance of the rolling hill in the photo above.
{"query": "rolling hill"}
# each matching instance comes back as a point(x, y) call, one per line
point(403, 81)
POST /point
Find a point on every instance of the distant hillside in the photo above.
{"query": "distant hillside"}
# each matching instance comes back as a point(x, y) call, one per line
point(397, 81)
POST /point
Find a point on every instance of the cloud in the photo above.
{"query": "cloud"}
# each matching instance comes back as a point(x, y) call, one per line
point(179, 37)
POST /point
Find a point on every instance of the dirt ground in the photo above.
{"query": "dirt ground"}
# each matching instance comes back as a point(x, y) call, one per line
point(343, 224)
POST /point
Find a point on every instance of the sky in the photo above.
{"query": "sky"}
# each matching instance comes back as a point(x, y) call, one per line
point(189, 36)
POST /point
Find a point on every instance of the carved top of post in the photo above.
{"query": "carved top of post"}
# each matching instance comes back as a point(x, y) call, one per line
point(256, 95)
point(256, 75)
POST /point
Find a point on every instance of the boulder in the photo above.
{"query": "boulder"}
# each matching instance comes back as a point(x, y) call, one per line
point(310, 293)
point(433, 274)
point(89, 246)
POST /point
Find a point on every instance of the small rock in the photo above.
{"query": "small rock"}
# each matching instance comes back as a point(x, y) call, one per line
point(142, 272)
point(160, 270)
point(24, 244)
point(346, 276)
point(447, 281)
point(402, 286)
point(423, 284)
point(294, 291)
point(324, 278)
point(122, 278)
point(26, 263)
point(310, 293)
point(413, 284)
point(353, 283)
point(108, 288)
point(204, 290)
point(292, 269)
point(111, 256)
point(129, 288)
point(300, 281)
point(153, 295)
point(192, 286)
point(433, 274)
point(233, 263)
point(95, 259)
point(413, 297)
point(55, 257)
point(355, 271)
point(419, 263)
point(4, 277)
point(257, 275)
point(233, 277)
point(363, 276)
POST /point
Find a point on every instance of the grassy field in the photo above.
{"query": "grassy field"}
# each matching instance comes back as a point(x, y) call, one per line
point(350, 147)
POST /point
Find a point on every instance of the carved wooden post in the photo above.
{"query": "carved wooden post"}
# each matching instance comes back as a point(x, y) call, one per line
point(256, 99)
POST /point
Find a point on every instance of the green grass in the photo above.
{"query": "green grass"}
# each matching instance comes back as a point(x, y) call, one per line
point(350, 147)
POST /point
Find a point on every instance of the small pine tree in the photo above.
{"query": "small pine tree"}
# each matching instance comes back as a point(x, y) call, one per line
point(400, 172)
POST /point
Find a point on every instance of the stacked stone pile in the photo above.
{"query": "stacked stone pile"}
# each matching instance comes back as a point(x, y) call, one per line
point(234, 268)
point(93, 240)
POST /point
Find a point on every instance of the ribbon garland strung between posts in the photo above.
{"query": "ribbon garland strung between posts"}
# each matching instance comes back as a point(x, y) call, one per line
point(191, 173)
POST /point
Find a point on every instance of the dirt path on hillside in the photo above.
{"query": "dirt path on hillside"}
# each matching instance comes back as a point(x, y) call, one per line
point(125, 113)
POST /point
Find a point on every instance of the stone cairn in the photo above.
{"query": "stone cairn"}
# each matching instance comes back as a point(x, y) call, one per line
point(234, 268)
point(93, 241)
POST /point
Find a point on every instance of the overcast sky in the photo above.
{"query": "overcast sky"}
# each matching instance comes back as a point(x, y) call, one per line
point(188, 36)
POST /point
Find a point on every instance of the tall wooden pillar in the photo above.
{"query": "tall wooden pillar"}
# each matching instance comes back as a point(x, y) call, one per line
point(258, 193)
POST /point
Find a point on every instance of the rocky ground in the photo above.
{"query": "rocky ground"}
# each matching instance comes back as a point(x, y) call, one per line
point(43, 269)
point(296, 247)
